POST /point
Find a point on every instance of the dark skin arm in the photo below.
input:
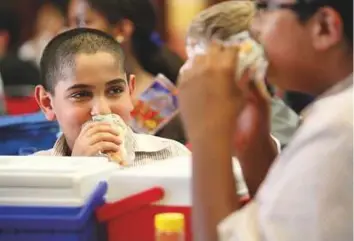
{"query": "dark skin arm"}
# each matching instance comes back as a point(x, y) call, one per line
point(213, 186)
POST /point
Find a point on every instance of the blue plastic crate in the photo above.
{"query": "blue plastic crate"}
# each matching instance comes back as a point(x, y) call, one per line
point(23, 135)
point(52, 223)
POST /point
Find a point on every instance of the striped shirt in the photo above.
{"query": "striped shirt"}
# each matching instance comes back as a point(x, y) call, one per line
point(147, 148)
point(308, 193)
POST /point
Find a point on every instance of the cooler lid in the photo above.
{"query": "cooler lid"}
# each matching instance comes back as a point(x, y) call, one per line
point(172, 175)
point(50, 181)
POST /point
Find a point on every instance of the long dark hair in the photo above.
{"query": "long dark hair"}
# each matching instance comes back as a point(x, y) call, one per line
point(150, 52)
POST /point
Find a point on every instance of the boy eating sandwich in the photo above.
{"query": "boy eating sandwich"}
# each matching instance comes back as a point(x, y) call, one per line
point(88, 92)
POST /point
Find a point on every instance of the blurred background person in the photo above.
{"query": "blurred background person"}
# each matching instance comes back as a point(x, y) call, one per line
point(9, 32)
point(19, 81)
point(9, 40)
point(50, 20)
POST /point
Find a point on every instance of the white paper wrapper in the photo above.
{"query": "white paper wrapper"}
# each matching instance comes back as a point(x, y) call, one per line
point(251, 56)
point(126, 155)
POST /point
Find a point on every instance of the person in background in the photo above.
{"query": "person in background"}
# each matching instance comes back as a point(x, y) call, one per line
point(49, 22)
point(132, 23)
point(222, 21)
point(306, 193)
point(20, 79)
point(9, 32)
point(9, 38)
point(84, 75)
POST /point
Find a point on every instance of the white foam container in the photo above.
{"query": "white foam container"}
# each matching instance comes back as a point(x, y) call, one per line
point(173, 175)
point(51, 181)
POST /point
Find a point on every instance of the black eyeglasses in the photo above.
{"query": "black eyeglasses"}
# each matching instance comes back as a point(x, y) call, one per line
point(301, 8)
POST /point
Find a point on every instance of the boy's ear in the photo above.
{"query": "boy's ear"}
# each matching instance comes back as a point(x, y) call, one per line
point(44, 100)
point(328, 29)
point(123, 31)
point(132, 81)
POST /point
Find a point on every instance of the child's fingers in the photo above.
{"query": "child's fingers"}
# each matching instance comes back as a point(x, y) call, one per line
point(215, 47)
point(232, 53)
point(87, 126)
point(104, 137)
point(245, 81)
point(100, 127)
point(257, 97)
point(103, 147)
point(260, 91)
point(254, 90)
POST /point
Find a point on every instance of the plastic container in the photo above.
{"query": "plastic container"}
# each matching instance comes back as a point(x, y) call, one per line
point(50, 181)
point(169, 227)
point(52, 223)
point(51, 198)
point(136, 195)
point(26, 131)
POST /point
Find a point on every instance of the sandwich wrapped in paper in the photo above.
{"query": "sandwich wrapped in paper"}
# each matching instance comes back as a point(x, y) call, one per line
point(125, 156)
point(251, 56)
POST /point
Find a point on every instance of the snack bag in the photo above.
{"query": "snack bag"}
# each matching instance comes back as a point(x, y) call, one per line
point(125, 156)
point(155, 107)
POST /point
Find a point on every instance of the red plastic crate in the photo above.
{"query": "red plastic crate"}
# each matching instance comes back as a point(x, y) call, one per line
point(21, 105)
point(133, 218)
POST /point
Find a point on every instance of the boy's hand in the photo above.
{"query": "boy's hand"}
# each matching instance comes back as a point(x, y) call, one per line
point(208, 96)
point(213, 101)
point(216, 107)
point(96, 137)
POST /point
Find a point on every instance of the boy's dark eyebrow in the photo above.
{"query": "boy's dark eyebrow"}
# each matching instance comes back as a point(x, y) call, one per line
point(84, 86)
point(116, 81)
point(79, 86)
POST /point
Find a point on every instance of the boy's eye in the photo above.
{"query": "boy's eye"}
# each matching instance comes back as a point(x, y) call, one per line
point(116, 90)
point(80, 95)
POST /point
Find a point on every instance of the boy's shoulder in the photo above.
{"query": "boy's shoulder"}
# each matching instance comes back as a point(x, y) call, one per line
point(149, 143)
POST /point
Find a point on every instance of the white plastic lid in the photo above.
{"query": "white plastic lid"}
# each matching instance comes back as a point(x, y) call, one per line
point(173, 175)
point(50, 181)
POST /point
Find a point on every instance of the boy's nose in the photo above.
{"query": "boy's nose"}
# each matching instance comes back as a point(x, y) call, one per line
point(100, 107)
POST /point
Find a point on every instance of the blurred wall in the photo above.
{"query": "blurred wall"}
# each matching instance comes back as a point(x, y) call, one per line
point(180, 13)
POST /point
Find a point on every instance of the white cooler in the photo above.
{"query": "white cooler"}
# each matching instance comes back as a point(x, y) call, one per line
point(135, 195)
point(51, 198)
